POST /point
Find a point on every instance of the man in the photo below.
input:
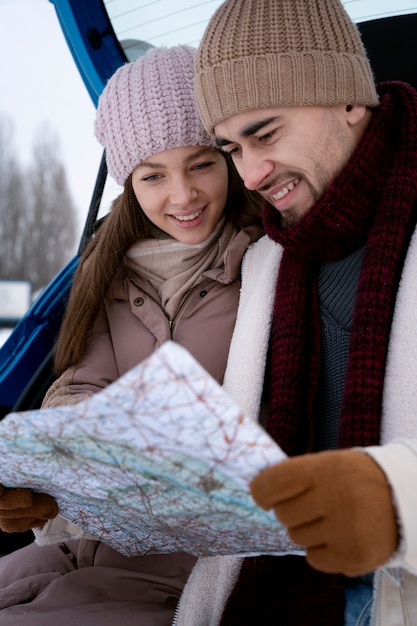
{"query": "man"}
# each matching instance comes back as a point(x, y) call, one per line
point(287, 89)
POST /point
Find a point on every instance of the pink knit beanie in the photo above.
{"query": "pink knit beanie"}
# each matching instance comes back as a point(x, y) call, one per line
point(268, 53)
point(148, 107)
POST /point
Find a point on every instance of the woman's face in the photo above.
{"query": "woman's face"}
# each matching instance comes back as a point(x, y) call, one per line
point(183, 191)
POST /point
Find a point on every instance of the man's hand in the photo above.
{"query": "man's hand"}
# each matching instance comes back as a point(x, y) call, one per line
point(337, 504)
point(22, 509)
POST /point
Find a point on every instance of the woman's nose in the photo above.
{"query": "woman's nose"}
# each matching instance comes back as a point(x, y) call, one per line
point(182, 192)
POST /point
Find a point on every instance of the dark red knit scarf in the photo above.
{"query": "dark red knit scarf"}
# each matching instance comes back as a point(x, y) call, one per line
point(373, 202)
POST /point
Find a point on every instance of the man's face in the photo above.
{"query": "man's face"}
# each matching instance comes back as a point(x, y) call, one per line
point(291, 154)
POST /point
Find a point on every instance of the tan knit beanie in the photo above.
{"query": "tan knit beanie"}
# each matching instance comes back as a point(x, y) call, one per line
point(266, 53)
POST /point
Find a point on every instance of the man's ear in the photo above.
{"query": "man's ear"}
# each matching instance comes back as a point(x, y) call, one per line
point(356, 113)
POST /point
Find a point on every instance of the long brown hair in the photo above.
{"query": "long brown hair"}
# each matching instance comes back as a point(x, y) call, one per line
point(123, 226)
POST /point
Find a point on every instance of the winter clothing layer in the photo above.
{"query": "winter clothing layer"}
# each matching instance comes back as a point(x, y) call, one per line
point(337, 286)
point(373, 203)
point(256, 54)
point(380, 402)
point(85, 582)
point(148, 107)
point(131, 325)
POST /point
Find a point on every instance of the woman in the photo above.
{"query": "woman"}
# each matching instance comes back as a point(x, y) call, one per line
point(165, 264)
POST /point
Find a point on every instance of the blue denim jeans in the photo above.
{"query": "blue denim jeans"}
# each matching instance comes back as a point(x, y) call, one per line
point(358, 602)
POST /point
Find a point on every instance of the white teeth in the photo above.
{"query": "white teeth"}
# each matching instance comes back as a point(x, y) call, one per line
point(283, 192)
point(187, 218)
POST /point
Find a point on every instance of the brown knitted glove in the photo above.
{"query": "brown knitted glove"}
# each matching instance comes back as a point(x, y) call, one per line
point(22, 509)
point(337, 504)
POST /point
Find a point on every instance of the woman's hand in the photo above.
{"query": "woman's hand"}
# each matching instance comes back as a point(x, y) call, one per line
point(22, 509)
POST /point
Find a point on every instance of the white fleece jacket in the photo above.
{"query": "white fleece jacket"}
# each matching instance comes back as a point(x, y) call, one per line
point(213, 578)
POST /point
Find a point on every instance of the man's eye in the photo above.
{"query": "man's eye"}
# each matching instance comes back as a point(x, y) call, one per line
point(266, 136)
point(232, 151)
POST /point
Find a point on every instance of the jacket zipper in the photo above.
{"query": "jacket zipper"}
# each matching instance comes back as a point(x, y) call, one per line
point(173, 322)
point(171, 327)
point(175, 618)
point(177, 612)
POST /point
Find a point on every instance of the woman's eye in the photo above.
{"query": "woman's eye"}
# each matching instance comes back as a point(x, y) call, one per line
point(151, 177)
point(202, 166)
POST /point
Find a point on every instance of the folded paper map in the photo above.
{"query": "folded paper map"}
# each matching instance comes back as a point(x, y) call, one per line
point(159, 461)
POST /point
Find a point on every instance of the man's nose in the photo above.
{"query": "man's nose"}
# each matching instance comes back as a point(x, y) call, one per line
point(254, 170)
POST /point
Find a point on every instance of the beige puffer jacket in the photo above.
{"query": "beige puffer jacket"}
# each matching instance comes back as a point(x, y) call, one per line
point(131, 326)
